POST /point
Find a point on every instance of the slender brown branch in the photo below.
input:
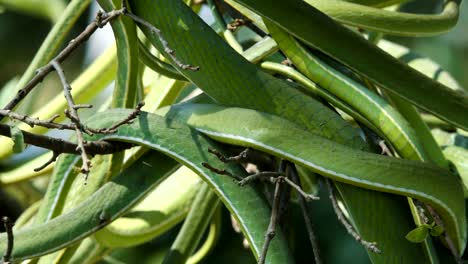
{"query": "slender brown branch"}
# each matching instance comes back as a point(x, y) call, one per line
point(306, 196)
point(263, 175)
point(55, 145)
point(271, 231)
point(372, 246)
point(50, 161)
point(292, 172)
point(272, 176)
point(242, 157)
point(100, 147)
point(247, 155)
point(278, 178)
point(220, 172)
point(158, 33)
point(49, 123)
point(163, 41)
point(73, 115)
point(10, 239)
point(128, 120)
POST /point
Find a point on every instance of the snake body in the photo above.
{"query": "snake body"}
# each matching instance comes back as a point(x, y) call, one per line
point(271, 110)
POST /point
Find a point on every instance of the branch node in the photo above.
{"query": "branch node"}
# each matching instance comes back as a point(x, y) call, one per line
point(100, 16)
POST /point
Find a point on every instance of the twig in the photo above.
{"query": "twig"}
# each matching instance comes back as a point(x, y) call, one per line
point(263, 175)
point(248, 155)
point(278, 178)
point(9, 230)
point(49, 123)
point(50, 161)
point(220, 172)
point(128, 120)
point(292, 172)
point(272, 176)
point(63, 146)
point(242, 157)
point(306, 196)
point(163, 41)
point(271, 231)
point(372, 246)
point(73, 115)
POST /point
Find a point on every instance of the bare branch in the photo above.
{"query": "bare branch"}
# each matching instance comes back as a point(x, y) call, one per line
point(220, 172)
point(292, 172)
point(10, 239)
point(73, 115)
point(306, 196)
point(242, 157)
point(128, 120)
point(49, 123)
point(100, 147)
point(248, 155)
point(164, 43)
point(272, 176)
point(271, 231)
point(372, 246)
point(263, 175)
point(50, 161)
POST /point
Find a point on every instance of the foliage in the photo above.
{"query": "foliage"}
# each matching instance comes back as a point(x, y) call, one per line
point(322, 102)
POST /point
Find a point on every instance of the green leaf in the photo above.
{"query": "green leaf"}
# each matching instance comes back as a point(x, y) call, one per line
point(437, 231)
point(419, 234)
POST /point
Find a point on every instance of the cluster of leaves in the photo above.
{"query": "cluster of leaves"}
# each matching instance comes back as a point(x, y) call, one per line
point(317, 104)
